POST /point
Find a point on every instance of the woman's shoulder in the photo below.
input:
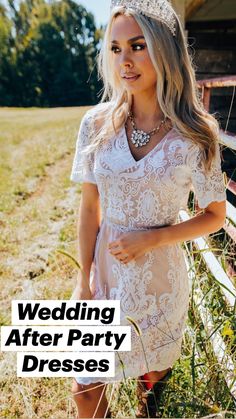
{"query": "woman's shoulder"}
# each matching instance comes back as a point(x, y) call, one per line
point(98, 110)
point(180, 139)
point(184, 148)
point(96, 115)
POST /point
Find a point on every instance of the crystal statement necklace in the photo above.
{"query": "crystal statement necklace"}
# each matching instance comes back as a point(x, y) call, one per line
point(140, 138)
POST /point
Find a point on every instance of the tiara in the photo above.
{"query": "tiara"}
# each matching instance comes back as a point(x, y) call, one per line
point(157, 9)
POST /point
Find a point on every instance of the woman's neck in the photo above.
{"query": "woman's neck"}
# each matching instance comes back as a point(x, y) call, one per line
point(146, 108)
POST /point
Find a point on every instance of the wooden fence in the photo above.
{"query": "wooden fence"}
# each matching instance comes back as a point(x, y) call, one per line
point(224, 282)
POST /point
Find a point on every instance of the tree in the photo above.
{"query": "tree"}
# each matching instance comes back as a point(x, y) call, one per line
point(55, 46)
point(6, 55)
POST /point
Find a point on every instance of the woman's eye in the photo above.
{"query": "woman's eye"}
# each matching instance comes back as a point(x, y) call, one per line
point(138, 47)
point(114, 49)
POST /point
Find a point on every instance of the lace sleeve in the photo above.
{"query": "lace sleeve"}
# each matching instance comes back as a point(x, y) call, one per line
point(208, 187)
point(82, 169)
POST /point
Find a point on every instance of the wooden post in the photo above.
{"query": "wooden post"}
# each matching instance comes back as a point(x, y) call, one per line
point(206, 98)
point(179, 6)
point(193, 7)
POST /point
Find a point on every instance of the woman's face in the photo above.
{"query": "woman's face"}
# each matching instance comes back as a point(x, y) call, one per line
point(132, 63)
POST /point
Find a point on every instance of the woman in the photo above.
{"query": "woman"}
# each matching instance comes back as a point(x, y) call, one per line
point(138, 155)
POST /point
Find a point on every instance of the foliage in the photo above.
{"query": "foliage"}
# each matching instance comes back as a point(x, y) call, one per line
point(38, 208)
point(48, 52)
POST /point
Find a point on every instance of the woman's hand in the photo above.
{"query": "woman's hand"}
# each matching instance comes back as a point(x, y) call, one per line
point(130, 246)
point(82, 290)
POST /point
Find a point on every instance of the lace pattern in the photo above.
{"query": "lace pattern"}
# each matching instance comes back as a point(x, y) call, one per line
point(139, 195)
point(83, 164)
point(208, 187)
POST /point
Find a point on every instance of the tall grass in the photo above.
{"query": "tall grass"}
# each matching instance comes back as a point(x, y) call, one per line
point(38, 210)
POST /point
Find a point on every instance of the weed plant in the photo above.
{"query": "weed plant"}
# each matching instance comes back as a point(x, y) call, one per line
point(38, 212)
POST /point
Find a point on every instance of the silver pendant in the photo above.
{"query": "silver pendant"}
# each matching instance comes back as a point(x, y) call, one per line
point(140, 138)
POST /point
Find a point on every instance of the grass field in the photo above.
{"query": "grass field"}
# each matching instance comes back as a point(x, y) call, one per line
point(38, 210)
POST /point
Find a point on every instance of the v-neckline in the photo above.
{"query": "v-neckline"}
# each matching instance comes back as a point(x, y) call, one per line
point(150, 152)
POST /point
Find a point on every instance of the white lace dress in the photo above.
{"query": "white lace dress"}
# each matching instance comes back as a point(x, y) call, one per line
point(136, 195)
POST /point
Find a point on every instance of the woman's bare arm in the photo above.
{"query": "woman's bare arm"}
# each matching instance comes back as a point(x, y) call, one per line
point(209, 222)
point(88, 225)
point(132, 245)
point(87, 230)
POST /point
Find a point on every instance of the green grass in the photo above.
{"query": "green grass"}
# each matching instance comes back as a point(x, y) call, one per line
point(38, 216)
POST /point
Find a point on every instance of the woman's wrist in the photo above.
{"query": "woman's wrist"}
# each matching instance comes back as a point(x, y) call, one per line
point(156, 237)
point(84, 275)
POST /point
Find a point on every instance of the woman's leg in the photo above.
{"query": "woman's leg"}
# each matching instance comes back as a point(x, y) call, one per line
point(149, 390)
point(152, 377)
point(90, 400)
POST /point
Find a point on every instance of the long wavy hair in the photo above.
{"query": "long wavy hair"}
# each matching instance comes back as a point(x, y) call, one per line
point(177, 91)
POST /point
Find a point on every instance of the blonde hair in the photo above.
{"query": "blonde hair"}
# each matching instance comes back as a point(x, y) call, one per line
point(177, 92)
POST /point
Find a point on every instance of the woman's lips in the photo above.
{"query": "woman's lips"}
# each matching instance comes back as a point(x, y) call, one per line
point(131, 79)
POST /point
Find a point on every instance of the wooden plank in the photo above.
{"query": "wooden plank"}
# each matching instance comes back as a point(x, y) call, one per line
point(230, 230)
point(206, 98)
point(228, 140)
point(226, 81)
point(215, 62)
point(231, 212)
point(193, 7)
point(210, 24)
point(231, 185)
point(215, 40)
point(224, 91)
point(218, 345)
point(216, 269)
point(216, 10)
point(179, 6)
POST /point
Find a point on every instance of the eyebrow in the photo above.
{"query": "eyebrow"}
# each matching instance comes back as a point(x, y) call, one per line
point(130, 40)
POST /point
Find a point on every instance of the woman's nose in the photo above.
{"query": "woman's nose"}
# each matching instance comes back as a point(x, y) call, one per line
point(125, 61)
